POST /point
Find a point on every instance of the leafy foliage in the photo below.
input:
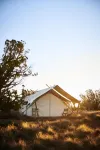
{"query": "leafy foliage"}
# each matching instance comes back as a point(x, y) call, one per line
point(13, 67)
point(28, 92)
point(91, 100)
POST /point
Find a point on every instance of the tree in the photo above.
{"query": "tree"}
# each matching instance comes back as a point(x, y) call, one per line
point(91, 100)
point(13, 68)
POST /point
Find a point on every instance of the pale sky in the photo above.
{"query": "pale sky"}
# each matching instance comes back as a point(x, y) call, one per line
point(63, 37)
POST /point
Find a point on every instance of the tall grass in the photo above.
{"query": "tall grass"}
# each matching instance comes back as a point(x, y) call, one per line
point(76, 132)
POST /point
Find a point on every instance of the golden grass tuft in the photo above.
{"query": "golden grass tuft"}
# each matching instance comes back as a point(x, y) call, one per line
point(73, 140)
point(28, 125)
point(22, 143)
point(50, 129)
point(11, 127)
point(98, 115)
point(84, 128)
point(45, 136)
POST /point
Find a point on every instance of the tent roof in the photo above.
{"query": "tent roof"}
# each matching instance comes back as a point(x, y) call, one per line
point(37, 94)
point(54, 89)
point(65, 94)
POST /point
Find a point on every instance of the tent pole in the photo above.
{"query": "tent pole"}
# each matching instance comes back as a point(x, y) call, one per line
point(37, 110)
point(26, 109)
point(49, 104)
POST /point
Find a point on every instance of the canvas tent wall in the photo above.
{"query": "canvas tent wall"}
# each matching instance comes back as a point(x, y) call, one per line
point(49, 102)
point(48, 105)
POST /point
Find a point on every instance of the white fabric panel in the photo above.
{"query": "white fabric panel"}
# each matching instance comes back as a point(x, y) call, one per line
point(29, 111)
point(57, 106)
point(43, 105)
point(50, 105)
point(23, 109)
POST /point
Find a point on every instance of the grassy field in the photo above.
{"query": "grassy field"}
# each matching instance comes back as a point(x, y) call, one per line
point(79, 131)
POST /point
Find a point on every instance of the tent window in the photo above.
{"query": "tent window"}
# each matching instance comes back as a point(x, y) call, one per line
point(35, 112)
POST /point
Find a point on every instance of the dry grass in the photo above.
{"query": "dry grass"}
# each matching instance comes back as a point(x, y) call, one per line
point(28, 125)
point(84, 128)
point(79, 131)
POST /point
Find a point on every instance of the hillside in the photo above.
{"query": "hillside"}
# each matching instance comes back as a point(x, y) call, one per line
point(79, 131)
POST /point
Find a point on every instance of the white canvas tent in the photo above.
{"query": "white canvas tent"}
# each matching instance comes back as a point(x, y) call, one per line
point(48, 102)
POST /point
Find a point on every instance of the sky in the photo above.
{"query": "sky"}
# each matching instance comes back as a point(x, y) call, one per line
point(63, 37)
